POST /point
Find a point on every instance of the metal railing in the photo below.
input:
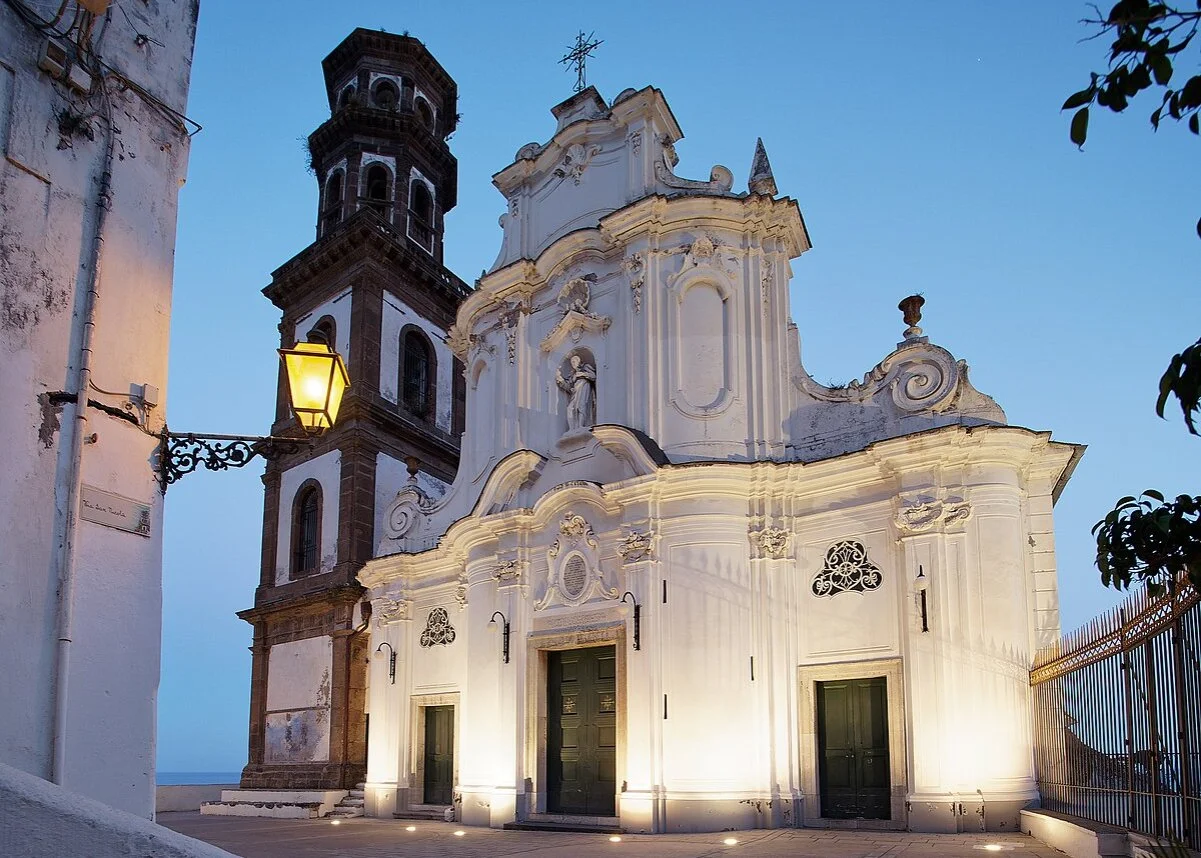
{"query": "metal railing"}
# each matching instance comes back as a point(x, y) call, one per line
point(1117, 717)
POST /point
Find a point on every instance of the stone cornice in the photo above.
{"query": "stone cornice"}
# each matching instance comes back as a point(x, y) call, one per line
point(365, 236)
point(813, 487)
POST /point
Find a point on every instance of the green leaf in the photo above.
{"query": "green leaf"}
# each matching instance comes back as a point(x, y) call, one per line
point(1152, 493)
point(1193, 124)
point(1079, 130)
point(1078, 99)
point(1161, 66)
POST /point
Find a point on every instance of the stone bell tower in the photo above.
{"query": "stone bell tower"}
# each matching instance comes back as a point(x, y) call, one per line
point(372, 285)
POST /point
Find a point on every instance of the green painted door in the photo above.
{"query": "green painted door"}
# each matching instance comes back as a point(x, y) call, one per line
point(581, 752)
point(439, 781)
point(852, 745)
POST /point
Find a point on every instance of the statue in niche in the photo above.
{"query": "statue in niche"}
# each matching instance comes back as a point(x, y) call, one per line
point(581, 394)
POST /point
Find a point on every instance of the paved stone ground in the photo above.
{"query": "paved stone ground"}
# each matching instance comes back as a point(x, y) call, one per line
point(378, 838)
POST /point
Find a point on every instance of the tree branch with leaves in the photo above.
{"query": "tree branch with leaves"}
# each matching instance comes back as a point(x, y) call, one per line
point(1150, 539)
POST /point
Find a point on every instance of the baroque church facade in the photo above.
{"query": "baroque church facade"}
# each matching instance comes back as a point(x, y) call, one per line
point(667, 582)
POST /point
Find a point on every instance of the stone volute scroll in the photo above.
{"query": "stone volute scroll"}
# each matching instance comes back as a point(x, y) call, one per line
point(636, 546)
point(847, 569)
point(573, 566)
point(720, 178)
point(578, 380)
point(385, 610)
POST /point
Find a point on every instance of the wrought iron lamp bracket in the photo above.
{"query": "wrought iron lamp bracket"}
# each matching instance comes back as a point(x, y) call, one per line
point(181, 453)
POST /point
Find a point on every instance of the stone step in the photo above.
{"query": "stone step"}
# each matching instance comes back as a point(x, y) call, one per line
point(357, 793)
point(273, 809)
point(360, 787)
point(439, 815)
point(582, 827)
point(352, 802)
point(346, 812)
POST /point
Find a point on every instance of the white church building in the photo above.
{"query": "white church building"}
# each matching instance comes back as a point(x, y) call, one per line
point(676, 584)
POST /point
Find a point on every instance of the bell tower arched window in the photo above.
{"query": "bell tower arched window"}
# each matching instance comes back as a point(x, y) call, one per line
point(417, 374)
point(385, 95)
point(424, 114)
point(331, 207)
point(421, 214)
point(377, 182)
point(306, 530)
point(325, 331)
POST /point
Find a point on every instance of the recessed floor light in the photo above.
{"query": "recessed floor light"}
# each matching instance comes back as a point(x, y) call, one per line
point(335, 822)
point(460, 833)
point(410, 828)
point(731, 841)
point(994, 847)
point(614, 839)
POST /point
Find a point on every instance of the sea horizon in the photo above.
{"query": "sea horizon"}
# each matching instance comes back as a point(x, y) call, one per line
point(189, 778)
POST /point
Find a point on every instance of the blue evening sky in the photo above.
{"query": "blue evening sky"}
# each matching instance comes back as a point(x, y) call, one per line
point(925, 146)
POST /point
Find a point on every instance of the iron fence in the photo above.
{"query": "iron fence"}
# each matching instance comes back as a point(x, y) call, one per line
point(1117, 717)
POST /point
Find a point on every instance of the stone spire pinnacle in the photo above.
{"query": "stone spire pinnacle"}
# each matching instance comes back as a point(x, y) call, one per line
point(761, 181)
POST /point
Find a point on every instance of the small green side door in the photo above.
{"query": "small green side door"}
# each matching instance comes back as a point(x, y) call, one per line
point(438, 786)
point(852, 739)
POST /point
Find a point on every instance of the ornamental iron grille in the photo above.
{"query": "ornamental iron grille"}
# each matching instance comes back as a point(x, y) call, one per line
point(1117, 717)
point(847, 568)
point(438, 630)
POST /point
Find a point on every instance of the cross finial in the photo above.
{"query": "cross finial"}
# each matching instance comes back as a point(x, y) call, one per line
point(578, 54)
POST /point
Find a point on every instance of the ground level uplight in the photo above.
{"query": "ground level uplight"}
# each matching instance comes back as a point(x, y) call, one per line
point(460, 833)
point(410, 828)
point(731, 841)
point(614, 839)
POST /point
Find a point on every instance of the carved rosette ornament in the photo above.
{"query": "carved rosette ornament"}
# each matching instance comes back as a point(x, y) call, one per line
point(773, 542)
point(922, 513)
point(847, 568)
point(636, 546)
point(438, 631)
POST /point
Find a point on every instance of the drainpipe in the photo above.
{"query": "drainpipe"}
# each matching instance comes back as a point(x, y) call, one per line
point(66, 538)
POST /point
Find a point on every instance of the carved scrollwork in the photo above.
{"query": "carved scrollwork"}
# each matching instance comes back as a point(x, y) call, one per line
point(508, 572)
point(720, 178)
point(528, 152)
point(574, 574)
point(773, 542)
point(635, 266)
point(918, 376)
point(438, 631)
point(847, 568)
point(386, 611)
point(636, 546)
point(407, 509)
point(923, 512)
point(575, 160)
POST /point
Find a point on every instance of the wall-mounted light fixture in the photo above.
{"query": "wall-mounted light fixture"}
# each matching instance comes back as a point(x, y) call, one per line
point(391, 660)
point(317, 380)
point(637, 618)
point(920, 583)
point(505, 633)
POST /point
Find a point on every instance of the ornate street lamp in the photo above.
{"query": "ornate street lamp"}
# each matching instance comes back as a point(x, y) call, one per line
point(317, 380)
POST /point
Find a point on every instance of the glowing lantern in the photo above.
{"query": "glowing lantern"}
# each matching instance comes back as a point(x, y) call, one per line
point(316, 381)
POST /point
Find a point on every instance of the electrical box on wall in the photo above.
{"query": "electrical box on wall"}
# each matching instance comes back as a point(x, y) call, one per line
point(54, 59)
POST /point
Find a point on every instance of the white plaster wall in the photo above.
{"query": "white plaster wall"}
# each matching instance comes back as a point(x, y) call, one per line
point(47, 210)
point(338, 308)
point(42, 820)
point(395, 317)
point(299, 676)
point(441, 667)
point(326, 469)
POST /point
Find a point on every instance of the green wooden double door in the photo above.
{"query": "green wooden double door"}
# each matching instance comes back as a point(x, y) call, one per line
point(852, 739)
point(581, 747)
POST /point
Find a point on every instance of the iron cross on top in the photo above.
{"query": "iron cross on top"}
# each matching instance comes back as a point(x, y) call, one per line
point(578, 55)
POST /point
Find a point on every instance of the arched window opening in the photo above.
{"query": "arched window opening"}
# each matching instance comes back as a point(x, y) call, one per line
point(345, 99)
point(421, 215)
point(424, 114)
point(331, 210)
point(377, 189)
point(325, 331)
point(386, 95)
point(417, 375)
point(306, 530)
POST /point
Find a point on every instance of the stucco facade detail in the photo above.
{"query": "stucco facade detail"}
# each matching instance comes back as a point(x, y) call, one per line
point(641, 431)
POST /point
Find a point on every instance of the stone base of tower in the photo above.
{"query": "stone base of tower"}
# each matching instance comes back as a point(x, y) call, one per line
point(303, 776)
